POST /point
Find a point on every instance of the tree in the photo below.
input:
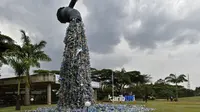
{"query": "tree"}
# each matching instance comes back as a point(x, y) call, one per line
point(176, 80)
point(32, 54)
point(137, 78)
point(121, 79)
point(40, 71)
point(95, 74)
point(19, 66)
point(145, 78)
point(105, 76)
point(161, 81)
point(6, 43)
point(197, 91)
point(55, 72)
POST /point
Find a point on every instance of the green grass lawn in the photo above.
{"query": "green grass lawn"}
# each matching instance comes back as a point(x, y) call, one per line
point(190, 104)
point(181, 106)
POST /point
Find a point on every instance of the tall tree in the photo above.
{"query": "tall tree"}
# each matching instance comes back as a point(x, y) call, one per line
point(19, 66)
point(121, 79)
point(176, 80)
point(95, 74)
point(32, 54)
point(6, 43)
point(137, 78)
point(144, 78)
point(105, 76)
point(160, 81)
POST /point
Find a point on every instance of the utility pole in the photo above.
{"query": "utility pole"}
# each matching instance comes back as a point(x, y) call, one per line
point(112, 87)
point(188, 86)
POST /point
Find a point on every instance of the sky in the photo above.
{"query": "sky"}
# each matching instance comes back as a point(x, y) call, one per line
point(156, 37)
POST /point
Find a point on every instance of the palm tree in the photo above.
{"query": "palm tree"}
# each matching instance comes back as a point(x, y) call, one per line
point(6, 43)
point(176, 80)
point(32, 54)
point(19, 67)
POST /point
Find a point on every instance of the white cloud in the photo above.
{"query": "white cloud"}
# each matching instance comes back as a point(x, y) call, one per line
point(183, 60)
point(6, 71)
point(11, 30)
point(121, 55)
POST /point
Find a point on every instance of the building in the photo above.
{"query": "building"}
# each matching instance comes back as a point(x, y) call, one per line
point(43, 88)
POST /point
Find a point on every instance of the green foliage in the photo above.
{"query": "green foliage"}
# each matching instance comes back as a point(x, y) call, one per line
point(137, 78)
point(133, 82)
point(123, 81)
point(176, 80)
point(197, 91)
point(55, 71)
point(32, 54)
point(6, 43)
point(41, 71)
point(18, 65)
point(161, 81)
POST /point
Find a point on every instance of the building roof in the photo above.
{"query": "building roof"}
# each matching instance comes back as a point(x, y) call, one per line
point(40, 78)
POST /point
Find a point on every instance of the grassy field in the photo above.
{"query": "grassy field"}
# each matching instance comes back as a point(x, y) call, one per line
point(184, 105)
point(190, 104)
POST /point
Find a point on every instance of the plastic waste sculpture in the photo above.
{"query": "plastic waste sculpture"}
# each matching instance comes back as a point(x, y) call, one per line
point(75, 82)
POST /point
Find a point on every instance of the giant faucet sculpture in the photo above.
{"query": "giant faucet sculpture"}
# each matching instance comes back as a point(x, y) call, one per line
point(75, 82)
point(75, 91)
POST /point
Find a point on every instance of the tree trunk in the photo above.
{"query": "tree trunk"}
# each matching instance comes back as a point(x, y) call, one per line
point(122, 89)
point(27, 95)
point(18, 106)
point(27, 89)
point(176, 92)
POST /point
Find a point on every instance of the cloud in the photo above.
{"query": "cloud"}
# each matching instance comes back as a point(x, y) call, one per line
point(118, 58)
point(142, 23)
point(184, 60)
point(6, 71)
point(38, 18)
point(103, 24)
point(146, 35)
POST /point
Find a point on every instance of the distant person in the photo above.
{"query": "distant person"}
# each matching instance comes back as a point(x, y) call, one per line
point(171, 98)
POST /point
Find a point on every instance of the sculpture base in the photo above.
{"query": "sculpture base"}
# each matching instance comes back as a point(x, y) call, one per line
point(103, 108)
